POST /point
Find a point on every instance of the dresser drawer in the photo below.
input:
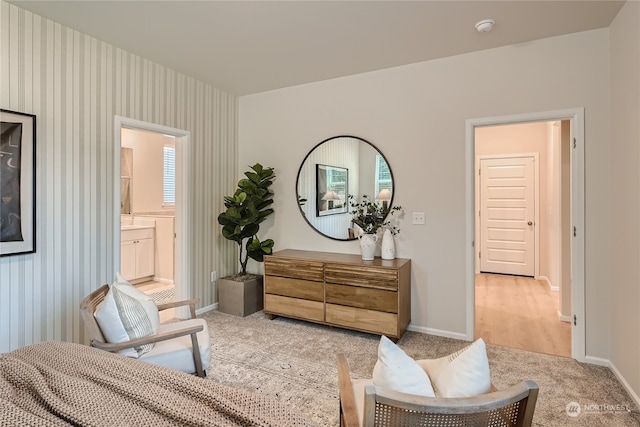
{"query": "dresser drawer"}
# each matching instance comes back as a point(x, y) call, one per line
point(362, 319)
point(294, 268)
point(300, 308)
point(356, 296)
point(374, 277)
point(295, 288)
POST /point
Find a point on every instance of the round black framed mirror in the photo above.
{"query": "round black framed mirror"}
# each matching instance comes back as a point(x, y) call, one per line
point(334, 169)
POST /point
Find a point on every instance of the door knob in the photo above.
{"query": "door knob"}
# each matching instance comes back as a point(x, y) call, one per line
point(530, 223)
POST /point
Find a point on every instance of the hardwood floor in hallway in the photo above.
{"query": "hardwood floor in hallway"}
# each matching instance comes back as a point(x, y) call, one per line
point(520, 312)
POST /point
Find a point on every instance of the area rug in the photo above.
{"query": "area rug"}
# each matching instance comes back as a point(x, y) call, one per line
point(295, 362)
point(162, 294)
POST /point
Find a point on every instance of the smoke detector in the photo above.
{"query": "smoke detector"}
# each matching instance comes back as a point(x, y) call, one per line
point(485, 25)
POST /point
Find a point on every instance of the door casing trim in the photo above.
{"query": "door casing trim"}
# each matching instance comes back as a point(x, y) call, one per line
point(182, 228)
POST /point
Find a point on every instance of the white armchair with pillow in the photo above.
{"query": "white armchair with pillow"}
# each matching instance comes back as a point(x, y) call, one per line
point(454, 390)
point(120, 318)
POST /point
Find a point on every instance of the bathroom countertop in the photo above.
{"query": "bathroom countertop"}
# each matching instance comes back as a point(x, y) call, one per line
point(135, 227)
point(136, 224)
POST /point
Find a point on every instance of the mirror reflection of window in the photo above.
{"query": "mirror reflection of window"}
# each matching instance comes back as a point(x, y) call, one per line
point(383, 175)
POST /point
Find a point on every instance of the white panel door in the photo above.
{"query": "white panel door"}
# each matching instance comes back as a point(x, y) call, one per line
point(507, 213)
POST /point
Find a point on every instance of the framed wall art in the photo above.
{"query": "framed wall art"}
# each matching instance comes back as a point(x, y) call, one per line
point(17, 183)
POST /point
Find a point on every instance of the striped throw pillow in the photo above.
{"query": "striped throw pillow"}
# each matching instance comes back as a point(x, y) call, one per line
point(134, 318)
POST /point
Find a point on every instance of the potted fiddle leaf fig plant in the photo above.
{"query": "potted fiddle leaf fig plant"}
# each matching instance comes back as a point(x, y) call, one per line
point(241, 294)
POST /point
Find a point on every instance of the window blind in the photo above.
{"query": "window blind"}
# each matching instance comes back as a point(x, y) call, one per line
point(169, 176)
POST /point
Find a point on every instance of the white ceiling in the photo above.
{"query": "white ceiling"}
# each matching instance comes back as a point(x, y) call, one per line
point(246, 47)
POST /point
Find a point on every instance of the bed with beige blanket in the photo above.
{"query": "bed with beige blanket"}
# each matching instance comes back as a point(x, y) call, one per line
point(55, 383)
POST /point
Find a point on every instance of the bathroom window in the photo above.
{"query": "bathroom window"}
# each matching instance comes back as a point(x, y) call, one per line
point(169, 181)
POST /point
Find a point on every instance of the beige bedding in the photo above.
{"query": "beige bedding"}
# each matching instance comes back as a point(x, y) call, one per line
point(54, 383)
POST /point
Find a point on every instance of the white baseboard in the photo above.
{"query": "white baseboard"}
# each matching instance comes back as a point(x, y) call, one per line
point(588, 359)
point(607, 363)
point(161, 280)
point(625, 384)
point(564, 318)
point(438, 332)
point(206, 309)
point(545, 279)
point(551, 287)
point(597, 361)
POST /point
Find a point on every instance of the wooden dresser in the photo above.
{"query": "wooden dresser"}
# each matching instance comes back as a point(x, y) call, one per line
point(339, 290)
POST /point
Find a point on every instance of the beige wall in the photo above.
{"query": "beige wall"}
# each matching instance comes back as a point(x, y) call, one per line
point(624, 282)
point(75, 85)
point(416, 116)
point(148, 173)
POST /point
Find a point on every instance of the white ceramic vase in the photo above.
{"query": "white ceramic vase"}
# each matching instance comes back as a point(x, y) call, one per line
point(368, 245)
point(388, 247)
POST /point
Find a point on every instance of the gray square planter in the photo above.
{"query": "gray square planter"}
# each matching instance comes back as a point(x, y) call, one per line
point(240, 298)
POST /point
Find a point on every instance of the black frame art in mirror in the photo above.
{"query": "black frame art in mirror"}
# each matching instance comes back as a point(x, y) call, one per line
point(359, 160)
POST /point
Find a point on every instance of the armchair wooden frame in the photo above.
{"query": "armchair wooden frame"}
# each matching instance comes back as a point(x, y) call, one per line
point(90, 303)
point(513, 406)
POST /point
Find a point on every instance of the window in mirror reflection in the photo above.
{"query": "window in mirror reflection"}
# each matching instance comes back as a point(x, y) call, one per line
point(383, 175)
point(331, 190)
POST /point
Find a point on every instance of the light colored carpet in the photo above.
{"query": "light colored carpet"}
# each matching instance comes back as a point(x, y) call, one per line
point(294, 361)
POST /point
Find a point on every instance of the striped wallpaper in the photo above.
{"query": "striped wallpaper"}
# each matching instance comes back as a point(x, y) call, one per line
point(75, 85)
point(340, 152)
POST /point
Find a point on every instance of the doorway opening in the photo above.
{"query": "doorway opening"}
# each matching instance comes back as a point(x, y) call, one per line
point(152, 209)
point(521, 299)
point(525, 249)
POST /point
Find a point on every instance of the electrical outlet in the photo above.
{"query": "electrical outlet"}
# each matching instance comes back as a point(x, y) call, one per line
point(214, 276)
point(417, 218)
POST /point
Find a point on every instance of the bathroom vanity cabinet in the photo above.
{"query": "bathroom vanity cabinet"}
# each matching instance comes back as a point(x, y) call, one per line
point(137, 253)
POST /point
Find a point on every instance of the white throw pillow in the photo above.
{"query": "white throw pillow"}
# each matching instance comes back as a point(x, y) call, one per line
point(147, 302)
point(121, 318)
point(134, 319)
point(464, 373)
point(397, 371)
